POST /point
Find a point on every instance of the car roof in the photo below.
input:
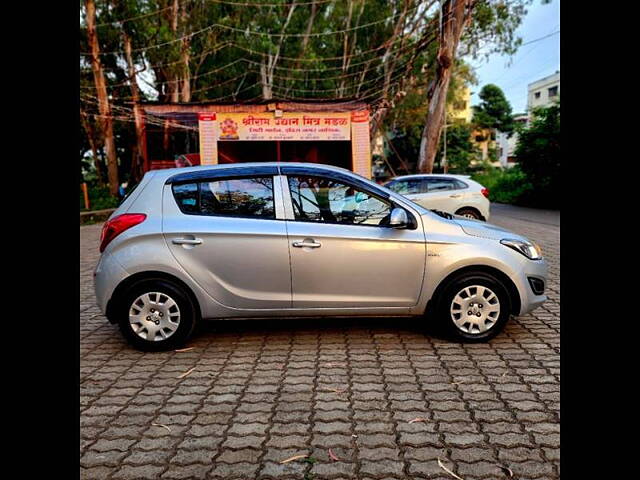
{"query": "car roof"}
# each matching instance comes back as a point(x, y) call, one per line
point(169, 172)
point(432, 175)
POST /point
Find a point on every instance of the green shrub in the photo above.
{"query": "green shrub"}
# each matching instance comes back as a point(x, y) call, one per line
point(99, 198)
point(506, 186)
point(538, 153)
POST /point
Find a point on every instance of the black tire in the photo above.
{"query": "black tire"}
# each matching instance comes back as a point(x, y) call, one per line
point(470, 212)
point(188, 314)
point(469, 279)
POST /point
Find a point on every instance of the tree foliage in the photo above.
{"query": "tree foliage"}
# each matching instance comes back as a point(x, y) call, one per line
point(538, 154)
point(494, 111)
point(460, 149)
point(382, 52)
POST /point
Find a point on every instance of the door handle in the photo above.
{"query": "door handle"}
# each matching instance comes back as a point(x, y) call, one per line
point(455, 195)
point(186, 241)
point(307, 243)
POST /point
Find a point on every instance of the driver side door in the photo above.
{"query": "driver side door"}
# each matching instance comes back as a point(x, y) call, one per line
point(342, 253)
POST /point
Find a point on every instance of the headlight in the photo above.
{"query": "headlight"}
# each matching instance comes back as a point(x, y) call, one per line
point(528, 249)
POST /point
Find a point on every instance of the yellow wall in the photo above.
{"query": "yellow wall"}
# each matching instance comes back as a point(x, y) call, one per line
point(456, 113)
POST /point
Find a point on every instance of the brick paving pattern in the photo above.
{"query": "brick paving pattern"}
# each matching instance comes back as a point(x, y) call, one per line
point(262, 392)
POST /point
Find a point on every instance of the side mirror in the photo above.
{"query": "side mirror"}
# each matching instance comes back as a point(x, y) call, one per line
point(399, 218)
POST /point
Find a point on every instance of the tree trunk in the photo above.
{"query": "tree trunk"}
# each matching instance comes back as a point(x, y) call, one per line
point(136, 160)
point(186, 74)
point(388, 63)
point(305, 41)
point(267, 71)
point(185, 92)
point(88, 128)
point(345, 50)
point(307, 33)
point(103, 100)
point(267, 94)
point(174, 16)
point(174, 85)
point(456, 14)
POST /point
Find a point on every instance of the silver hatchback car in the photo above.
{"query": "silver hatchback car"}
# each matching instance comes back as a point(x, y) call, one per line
point(302, 240)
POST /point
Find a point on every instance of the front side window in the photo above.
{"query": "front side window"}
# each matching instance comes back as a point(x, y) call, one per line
point(237, 197)
point(319, 199)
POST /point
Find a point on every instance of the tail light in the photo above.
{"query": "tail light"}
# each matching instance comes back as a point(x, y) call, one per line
point(114, 227)
point(485, 192)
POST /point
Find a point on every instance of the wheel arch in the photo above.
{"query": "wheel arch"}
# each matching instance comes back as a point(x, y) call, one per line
point(131, 280)
point(514, 294)
point(471, 208)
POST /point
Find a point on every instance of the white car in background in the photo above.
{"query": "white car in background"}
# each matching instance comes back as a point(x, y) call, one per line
point(454, 194)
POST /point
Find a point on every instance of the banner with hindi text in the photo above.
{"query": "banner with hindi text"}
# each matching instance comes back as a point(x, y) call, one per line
point(287, 126)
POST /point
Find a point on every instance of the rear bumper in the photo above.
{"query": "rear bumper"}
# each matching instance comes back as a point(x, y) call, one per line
point(108, 274)
point(484, 205)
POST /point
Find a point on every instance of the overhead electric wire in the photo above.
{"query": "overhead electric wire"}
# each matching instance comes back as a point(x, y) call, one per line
point(375, 92)
point(246, 32)
point(121, 21)
point(256, 4)
point(407, 48)
point(541, 38)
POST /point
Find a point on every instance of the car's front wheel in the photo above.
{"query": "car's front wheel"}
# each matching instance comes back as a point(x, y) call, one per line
point(474, 307)
point(156, 315)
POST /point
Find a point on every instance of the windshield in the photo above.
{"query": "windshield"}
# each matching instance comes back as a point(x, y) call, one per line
point(446, 215)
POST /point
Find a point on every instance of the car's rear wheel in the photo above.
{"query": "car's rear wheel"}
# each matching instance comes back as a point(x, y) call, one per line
point(156, 315)
point(474, 307)
point(469, 213)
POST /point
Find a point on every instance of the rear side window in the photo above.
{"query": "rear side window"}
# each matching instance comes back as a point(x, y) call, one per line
point(460, 185)
point(440, 184)
point(186, 196)
point(237, 197)
point(409, 186)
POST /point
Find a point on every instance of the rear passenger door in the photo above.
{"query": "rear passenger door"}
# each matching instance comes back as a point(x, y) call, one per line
point(226, 233)
point(440, 195)
point(412, 188)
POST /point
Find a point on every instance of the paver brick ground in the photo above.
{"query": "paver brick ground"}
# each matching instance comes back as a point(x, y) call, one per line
point(262, 392)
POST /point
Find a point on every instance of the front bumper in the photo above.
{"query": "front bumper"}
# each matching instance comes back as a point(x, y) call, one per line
point(529, 301)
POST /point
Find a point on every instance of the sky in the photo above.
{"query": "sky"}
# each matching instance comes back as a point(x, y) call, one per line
point(530, 63)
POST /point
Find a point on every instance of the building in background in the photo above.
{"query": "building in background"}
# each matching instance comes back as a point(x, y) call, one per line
point(334, 133)
point(543, 92)
point(507, 145)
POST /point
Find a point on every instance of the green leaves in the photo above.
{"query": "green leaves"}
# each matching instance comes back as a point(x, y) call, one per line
point(538, 153)
point(494, 111)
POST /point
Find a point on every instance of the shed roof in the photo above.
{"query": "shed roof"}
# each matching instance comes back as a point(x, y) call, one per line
point(162, 109)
